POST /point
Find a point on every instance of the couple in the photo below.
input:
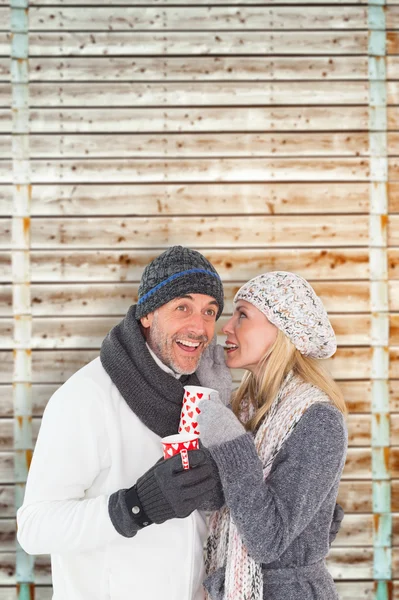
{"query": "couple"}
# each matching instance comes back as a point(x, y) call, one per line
point(120, 522)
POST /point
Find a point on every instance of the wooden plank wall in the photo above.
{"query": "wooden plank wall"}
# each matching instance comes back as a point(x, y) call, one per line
point(238, 128)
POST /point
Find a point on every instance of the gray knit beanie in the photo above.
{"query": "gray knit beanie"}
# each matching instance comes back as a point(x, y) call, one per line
point(176, 272)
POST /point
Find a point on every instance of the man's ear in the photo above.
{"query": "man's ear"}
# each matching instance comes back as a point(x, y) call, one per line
point(147, 320)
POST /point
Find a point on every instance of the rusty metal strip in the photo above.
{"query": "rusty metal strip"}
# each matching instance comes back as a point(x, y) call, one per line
point(380, 418)
point(22, 376)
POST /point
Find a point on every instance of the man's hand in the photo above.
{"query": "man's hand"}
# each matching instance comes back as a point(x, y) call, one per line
point(212, 371)
point(167, 491)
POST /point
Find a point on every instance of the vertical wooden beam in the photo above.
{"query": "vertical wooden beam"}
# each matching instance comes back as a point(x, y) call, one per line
point(379, 301)
point(22, 377)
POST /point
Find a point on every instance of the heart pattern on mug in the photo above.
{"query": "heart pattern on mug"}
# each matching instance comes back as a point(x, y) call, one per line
point(190, 410)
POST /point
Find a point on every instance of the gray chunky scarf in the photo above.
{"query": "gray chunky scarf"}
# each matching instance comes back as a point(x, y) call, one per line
point(152, 394)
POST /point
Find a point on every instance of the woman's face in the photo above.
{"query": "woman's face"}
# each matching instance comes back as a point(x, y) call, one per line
point(249, 337)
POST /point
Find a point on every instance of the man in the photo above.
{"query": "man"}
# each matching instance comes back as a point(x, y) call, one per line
point(118, 522)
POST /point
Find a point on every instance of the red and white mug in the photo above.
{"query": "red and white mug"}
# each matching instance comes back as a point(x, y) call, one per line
point(180, 444)
point(193, 394)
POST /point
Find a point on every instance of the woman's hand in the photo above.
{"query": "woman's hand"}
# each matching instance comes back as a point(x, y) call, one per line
point(217, 422)
point(212, 371)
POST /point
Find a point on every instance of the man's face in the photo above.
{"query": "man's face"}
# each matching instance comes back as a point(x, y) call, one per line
point(179, 331)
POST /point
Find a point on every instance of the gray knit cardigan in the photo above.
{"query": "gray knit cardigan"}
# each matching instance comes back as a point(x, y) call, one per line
point(285, 520)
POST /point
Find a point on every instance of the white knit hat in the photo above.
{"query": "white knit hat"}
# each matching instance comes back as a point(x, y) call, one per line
point(291, 304)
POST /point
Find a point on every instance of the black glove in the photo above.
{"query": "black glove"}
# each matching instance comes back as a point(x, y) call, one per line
point(336, 523)
point(167, 491)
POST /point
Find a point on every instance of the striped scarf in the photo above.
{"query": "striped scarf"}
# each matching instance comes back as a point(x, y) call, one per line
point(225, 548)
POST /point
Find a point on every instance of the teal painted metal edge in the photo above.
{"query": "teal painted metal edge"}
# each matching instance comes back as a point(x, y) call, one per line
point(380, 417)
point(22, 376)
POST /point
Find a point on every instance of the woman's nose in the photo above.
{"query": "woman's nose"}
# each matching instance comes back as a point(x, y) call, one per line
point(227, 328)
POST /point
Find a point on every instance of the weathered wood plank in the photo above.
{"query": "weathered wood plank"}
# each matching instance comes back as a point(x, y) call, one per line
point(394, 363)
point(69, 43)
point(393, 196)
point(232, 265)
point(393, 223)
point(41, 394)
point(7, 468)
point(199, 170)
point(393, 263)
point(196, 145)
point(393, 92)
point(5, 234)
point(245, 118)
point(7, 437)
point(263, 68)
point(392, 66)
point(5, 300)
point(358, 463)
point(7, 501)
point(5, 69)
point(5, 267)
point(143, 232)
point(5, 95)
point(351, 363)
point(392, 117)
point(394, 396)
point(6, 172)
point(351, 563)
point(291, 93)
point(392, 17)
point(6, 198)
point(58, 366)
point(356, 496)
point(5, 38)
point(393, 141)
point(177, 2)
point(197, 17)
point(88, 332)
point(392, 41)
point(114, 299)
point(197, 199)
point(393, 169)
point(205, 145)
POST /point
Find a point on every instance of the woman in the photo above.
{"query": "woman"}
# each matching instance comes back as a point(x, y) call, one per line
point(280, 451)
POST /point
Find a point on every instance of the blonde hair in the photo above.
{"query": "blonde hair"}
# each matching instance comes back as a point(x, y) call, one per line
point(261, 389)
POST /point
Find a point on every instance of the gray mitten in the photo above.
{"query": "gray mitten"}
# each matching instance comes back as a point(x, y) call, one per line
point(212, 371)
point(336, 522)
point(217, 422)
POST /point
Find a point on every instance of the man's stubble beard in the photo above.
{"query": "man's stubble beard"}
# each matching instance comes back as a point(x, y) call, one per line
point(162, 346)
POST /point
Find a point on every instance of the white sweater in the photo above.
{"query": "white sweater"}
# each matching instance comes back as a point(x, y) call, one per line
point(90, 445)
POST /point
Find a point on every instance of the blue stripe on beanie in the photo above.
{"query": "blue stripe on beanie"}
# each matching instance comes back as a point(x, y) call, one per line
point(175, 276)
